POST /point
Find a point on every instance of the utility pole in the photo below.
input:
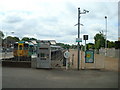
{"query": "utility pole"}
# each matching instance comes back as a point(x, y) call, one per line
point(79, 12)
point(78, 37)
point(106, 36)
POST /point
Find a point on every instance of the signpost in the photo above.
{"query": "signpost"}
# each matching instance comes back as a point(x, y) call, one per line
point(85, 37)
point(66, 55)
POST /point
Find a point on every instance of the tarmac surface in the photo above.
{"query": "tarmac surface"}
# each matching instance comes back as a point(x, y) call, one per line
point(13, 77)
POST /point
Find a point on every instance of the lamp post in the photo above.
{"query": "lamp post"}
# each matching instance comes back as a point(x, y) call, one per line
point(106, 36)
point(79, 12)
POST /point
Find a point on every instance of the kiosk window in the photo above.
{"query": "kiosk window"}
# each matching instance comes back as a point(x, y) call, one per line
point(42, 55)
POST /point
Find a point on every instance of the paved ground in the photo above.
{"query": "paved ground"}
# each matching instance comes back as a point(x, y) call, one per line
point(60, 78)
point(0, 75)
point(57, 78)
point(7, 55)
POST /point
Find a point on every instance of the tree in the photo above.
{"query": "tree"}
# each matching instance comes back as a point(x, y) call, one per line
point(28, 39)
point(73, 46)
point(1, 35)
point(65, 46)
point(33, 39)
point(9, 41)
point(110, 44)
point(90, 46)
point(99, 40)
point(25, 39)
point(16, 39)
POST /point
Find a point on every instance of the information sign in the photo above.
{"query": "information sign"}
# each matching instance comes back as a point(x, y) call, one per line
point(89, 56)
point(66, 54)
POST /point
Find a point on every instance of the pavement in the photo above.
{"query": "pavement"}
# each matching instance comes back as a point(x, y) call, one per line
point(57, 78)
point(14, 77)
point(6, 55)
point(0, 76)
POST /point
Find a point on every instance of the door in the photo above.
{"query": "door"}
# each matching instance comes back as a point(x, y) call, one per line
point(43, 57)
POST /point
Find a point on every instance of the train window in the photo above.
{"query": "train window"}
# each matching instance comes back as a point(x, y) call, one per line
point(20, 47)
point(15, 46)
point(31, 48)
point(25, 46)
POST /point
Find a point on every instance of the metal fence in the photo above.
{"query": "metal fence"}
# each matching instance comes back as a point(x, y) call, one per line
point(111, 52)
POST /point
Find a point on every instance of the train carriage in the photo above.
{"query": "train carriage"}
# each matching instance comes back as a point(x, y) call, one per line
point(23, 50)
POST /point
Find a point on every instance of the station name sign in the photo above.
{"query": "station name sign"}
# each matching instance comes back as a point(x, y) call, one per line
point(78, 39)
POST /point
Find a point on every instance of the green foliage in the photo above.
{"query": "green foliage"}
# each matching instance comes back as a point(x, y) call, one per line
point(1, 35)
point(28, 39)
point(89, 46)
point(10, 40)
point(110, 44)
point(33, 39)
point(16, 39)
point(117, 44)
point(67, 46)
point(25, 39)
point(73, 46)
point(99, 40)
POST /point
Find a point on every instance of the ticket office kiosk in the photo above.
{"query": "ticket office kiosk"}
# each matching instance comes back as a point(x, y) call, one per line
point(43, 56)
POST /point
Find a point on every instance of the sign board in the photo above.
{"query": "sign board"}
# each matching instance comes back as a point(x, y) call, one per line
point(78, 39)
point(85, 37)
point(89, 56)
point(66, 54)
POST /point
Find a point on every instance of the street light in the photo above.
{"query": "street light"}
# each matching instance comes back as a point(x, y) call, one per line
point(106, 36)
point(79, 12)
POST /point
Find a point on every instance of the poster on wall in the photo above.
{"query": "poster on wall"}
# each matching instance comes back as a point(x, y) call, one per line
point(89, 56)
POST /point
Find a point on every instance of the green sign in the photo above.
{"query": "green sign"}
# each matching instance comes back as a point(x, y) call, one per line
point(89, 56)
point(78, 39)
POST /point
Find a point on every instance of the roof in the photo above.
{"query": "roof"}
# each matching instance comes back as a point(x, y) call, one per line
point(51, 42)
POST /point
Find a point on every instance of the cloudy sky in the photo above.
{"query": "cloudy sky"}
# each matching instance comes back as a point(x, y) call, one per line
point(55, 19)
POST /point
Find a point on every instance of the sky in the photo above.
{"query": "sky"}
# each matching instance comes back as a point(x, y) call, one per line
point(55, 19)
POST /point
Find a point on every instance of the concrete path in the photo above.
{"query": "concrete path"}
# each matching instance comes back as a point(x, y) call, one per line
point(57, 78)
